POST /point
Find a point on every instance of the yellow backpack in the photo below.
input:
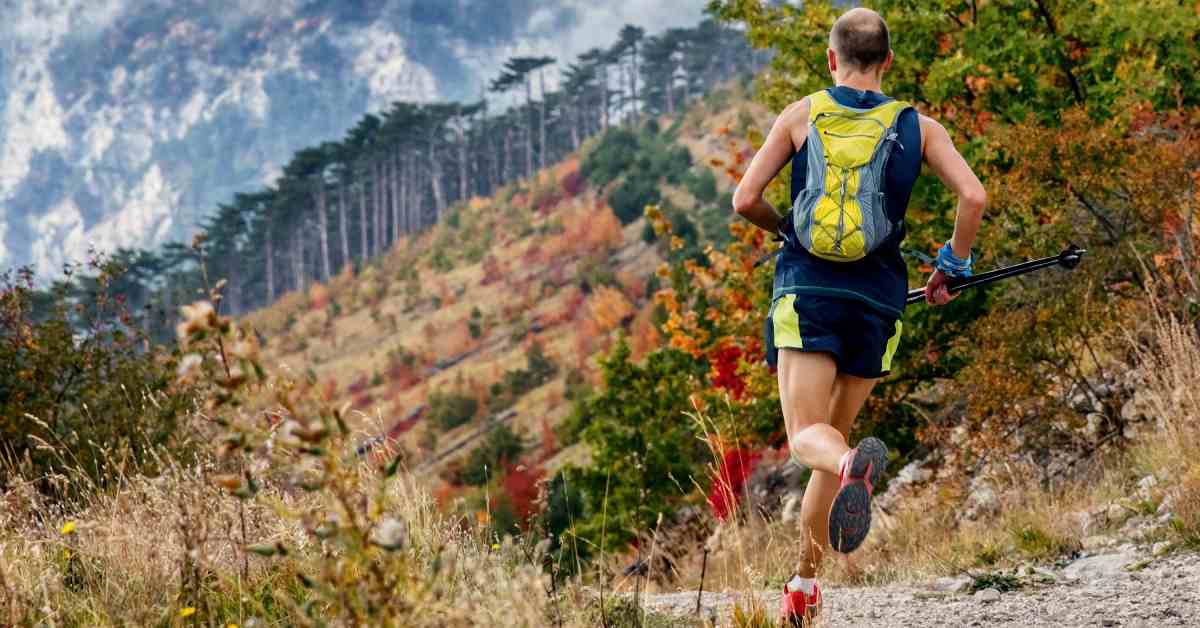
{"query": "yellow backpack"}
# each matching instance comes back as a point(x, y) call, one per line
point(841, 215)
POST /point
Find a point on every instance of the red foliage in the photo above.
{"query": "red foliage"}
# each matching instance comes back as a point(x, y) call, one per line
point(362, 401)
point(532, 255)
point(492, 271)
point(360, 383)
point(724, 373)
point(521, 486)
point(547, 200)
point(572, 183)
point(405, 424)
point(736, 465)
point(402, 375)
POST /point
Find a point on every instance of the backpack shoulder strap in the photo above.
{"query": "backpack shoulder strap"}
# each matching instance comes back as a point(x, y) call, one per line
point(821, 102)
point(889, 112)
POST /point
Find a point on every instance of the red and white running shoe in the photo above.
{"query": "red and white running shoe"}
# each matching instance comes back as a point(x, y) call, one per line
point(850, 515)
point(799, 607)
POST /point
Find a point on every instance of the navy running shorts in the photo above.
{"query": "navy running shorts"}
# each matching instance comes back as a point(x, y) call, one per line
point(861, 339)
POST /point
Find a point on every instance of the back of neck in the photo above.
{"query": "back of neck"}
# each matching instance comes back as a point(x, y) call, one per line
point(860, 83)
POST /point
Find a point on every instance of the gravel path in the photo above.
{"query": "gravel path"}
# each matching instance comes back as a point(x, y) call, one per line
point(1120, 589)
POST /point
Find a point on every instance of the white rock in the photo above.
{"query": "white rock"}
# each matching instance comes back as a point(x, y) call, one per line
point(791, 507)
point(1161, 548)
point(913, 473)
point(1095, 541)
point(982, 502)
point(1046, 574)
point(1089, 522)
point(1145, 484)
point(390, 534)
point(1095, 423)
point(952, 584)
point(987, 595)
point(1101, 566)
point(1167, 505)
point(1117, 514)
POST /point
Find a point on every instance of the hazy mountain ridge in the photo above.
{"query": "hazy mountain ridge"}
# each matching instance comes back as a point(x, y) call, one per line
point(124, 122)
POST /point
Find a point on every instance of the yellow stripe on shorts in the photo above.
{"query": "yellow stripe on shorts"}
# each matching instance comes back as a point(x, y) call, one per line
point(786, 323)
point(892, 344)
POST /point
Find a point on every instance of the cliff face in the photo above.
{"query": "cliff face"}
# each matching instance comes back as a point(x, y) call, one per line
point(124, 122)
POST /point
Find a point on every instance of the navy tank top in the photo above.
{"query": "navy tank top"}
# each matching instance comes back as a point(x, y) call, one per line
point(879, 280)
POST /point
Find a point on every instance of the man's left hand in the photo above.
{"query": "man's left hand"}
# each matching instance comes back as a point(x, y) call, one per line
point(937, 292)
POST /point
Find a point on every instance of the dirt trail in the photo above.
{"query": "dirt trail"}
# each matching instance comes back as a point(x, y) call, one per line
point(1118, 589)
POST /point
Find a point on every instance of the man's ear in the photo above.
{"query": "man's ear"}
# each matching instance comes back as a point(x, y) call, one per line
point(887, 63)
point(832, 60)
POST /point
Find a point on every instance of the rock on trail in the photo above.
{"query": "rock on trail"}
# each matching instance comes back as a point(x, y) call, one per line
point(1106, 590)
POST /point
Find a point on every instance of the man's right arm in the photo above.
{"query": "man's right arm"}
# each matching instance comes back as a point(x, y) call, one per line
point(775, 153)
point(949, 166)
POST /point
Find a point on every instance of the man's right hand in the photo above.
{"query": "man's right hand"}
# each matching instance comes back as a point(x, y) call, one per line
point(937, 290)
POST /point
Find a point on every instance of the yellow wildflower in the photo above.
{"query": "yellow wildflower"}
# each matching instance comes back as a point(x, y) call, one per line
point(68, 527)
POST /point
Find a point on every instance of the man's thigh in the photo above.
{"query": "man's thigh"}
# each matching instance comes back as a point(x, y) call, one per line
point(806, 382)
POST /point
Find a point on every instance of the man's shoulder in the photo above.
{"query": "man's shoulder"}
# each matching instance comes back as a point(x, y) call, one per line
point(797, 111)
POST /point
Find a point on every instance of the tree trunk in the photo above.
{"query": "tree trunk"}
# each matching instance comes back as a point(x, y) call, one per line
point(463, 192)
point(435, 177)
point(575, 122)
point(671, 90)
point(377, 201)
point(406, 168)
point(542, 122)
point(364, 252)
point(323, 225)
point(506, 167)
point(604, 95)
point(633, 76)
point(343, 234)
point(394, 188)
point(298, 259)
point(270, 261)
point(528, 126)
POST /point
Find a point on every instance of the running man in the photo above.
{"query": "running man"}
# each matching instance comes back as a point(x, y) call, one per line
point(840, 282)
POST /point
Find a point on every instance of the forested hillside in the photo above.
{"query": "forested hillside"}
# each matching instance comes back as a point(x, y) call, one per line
point(398, 171)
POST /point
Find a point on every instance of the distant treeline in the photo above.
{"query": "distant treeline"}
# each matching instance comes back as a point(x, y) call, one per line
point(396, 172)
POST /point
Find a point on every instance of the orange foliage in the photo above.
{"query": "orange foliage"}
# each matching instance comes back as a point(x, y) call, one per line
point(609, 308)
point(318, 296)
point(586, 341)
point(644, 336)
point(329, 390)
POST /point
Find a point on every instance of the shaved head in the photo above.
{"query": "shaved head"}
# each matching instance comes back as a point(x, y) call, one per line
point(860, 38)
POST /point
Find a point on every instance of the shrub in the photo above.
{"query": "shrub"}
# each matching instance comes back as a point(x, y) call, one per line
point(572, 184)
point(613, 154)
point(451, 409)
point(538, 370)
point(630, 198)
point(78, 394)
point(702, 184)
point(501, 446)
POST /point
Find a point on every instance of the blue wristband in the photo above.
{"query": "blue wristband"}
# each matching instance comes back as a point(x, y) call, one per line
point(951, 265)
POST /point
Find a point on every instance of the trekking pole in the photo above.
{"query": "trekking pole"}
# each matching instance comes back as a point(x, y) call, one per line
point(1068, 259)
